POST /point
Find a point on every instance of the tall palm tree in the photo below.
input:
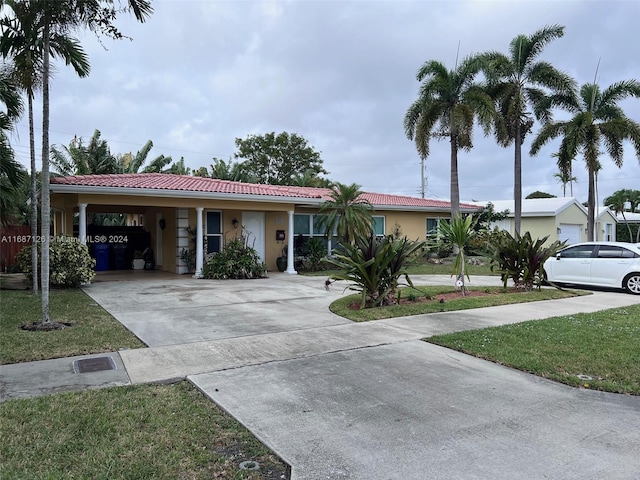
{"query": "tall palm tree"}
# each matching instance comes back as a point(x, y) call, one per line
point(447, 105)
point(597, 121)
point(58, 19)
point(11, 172)
point(518, 82)
point(21, 41)
point(347, 213)
point(616, 202)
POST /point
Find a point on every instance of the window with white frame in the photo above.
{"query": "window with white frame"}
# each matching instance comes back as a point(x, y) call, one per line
point(214, 232)
point(433, 225)
point(311, 226)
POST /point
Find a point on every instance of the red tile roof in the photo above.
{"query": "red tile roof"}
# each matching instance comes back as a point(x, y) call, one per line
point(185, 183)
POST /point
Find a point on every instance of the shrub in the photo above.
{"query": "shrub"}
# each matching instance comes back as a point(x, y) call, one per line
point(70, 264)
point(235, 261)
point(521, 258)
point(374, 265)
point(314, 251)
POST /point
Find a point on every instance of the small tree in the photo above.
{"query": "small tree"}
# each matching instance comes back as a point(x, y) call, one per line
point(458, 232)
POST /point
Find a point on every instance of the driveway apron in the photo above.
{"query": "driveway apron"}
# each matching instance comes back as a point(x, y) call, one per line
point(338, 400)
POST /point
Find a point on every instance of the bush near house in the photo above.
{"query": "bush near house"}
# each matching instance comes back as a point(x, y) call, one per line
point(236, 261)
point(70, 264)
point(521, 258)
point(374, 265)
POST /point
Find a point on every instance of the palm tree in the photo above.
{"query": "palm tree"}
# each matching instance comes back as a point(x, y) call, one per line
point(347, 213)
point(616, 202)
point(129, 163)
point(78, 159)
point(597, 120)
point(11, 172)
point(447, 106)
point(58, 19)
point(519, 82)
point(565, 174)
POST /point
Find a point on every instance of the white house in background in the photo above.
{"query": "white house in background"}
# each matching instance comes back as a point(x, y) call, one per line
point(605, 224)
point(629, 217)
point(563, 219)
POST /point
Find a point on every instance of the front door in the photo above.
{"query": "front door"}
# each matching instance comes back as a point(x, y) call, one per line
point(253, 231)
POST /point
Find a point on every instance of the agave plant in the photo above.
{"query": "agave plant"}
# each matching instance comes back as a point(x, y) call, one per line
point(374, 265)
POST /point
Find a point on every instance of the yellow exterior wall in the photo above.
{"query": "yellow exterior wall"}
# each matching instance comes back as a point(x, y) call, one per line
point(412, 224)
point(539, 227)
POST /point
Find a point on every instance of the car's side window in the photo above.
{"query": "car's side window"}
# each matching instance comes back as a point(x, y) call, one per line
point(580, 251)
point(629, 254)
point(610, 251)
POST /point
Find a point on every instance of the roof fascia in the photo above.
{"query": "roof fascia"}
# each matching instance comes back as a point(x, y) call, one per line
point(150, 192)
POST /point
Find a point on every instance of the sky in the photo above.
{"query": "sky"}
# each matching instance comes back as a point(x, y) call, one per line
point(201, 73)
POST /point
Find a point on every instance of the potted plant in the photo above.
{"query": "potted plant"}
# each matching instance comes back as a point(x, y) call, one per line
point(281, 261)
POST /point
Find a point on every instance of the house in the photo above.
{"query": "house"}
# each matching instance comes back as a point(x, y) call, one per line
point(563, 219)
point(606, 221)
point(270, 216)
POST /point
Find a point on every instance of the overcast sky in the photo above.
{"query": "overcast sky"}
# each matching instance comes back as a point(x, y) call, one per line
point(200, 73)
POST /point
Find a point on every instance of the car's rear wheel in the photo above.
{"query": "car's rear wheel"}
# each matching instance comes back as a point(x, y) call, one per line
point(631, 283)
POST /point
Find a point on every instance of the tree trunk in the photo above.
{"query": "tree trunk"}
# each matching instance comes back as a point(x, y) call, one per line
point(455, 188)
point(44, 191)
point(591, 206)
point(34, 197)
point(517, 179)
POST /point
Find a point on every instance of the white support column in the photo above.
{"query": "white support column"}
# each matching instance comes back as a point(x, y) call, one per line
point(82, 223)
point(290, 269)
point(199, 244)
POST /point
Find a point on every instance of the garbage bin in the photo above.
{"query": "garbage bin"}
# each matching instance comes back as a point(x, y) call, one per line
point(120, 256)
point(101, 252)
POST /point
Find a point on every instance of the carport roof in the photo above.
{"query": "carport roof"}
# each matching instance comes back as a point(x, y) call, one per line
point(179, 185)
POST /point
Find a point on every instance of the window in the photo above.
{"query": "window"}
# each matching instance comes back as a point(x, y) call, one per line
point(378, 225)
point(582, 251)
point(310, 226)
point(214, 232)
point(433, 227)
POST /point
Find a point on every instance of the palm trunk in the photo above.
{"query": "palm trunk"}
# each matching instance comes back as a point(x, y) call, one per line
point(517, 179)
point(455, 188)
point(45, 200)
point(34, 197)
point(591, 206)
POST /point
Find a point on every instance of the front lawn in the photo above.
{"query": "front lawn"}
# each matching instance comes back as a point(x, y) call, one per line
point(600, 350)
point(147, 431)
point(93, 330)
point(493, 296)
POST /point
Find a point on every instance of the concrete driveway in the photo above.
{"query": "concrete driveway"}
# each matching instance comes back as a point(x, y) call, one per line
point(370, 401)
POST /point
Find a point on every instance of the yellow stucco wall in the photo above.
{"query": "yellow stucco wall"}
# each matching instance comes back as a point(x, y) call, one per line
point(411, 224)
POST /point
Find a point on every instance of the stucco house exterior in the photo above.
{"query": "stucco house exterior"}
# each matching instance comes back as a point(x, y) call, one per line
point(563, 219)
point(217, 210)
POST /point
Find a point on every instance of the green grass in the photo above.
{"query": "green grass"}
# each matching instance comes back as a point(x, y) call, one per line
point(93, 330)
point(497, 297)
point(141, 432)
point(602, 345)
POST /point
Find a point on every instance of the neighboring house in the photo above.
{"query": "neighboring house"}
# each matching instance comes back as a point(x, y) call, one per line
point(605, 224)
point(563, 219)
point(271, 216)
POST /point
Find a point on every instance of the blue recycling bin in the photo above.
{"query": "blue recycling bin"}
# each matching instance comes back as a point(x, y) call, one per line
point(101, 252)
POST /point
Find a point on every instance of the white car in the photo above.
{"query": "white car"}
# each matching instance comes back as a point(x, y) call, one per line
point(599, 264)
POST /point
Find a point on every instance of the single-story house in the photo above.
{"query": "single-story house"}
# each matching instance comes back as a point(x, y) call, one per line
point(271, 216)
point(563, 219)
